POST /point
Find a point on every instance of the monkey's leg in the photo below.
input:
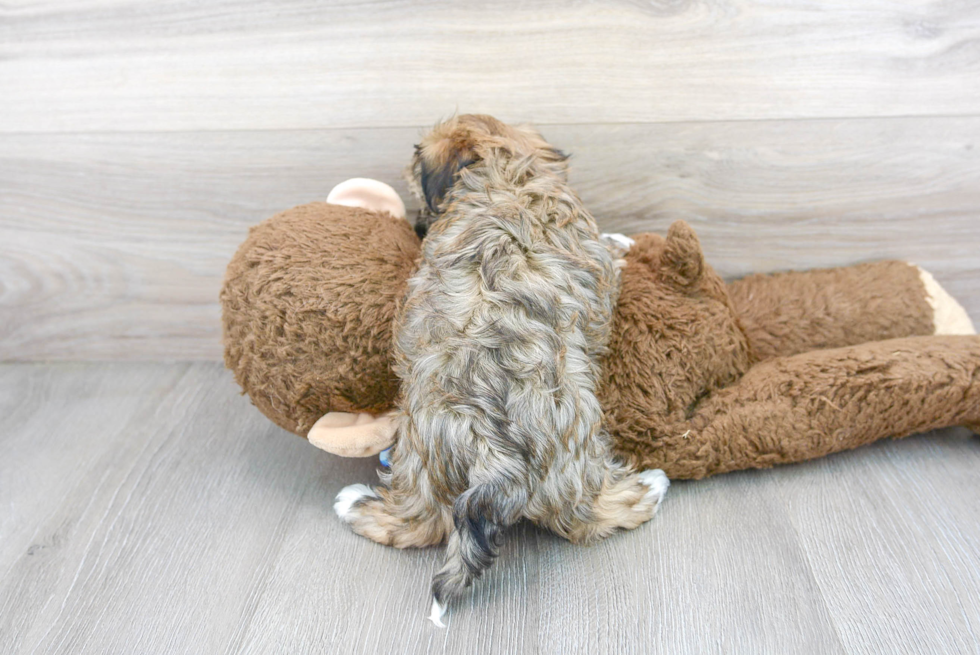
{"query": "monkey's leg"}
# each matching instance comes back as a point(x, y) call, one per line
point(791, 409)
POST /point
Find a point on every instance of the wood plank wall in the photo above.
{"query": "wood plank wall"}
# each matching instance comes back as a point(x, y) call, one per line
point(139, 141)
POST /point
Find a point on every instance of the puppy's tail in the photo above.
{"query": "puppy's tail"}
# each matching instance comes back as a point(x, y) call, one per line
point(480, 515)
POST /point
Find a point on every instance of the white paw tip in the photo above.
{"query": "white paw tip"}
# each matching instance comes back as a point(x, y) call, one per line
point(620, 240)
point(658, 483)
point(350, 495)
point(436, 614)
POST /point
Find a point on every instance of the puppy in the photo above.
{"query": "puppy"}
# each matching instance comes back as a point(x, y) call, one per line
point(497, 346)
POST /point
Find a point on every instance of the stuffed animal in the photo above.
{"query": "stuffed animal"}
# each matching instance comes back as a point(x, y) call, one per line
point(700, 378)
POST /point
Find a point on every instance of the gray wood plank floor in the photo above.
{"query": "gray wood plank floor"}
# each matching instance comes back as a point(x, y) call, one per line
point(149, 508)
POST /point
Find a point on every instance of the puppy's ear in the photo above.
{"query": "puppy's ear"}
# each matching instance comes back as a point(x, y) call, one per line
point(557, 161)
point(557, 155)
point(437, 177)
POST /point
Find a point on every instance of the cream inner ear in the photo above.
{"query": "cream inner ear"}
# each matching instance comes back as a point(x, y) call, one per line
point(353, 435)
point(368, 194)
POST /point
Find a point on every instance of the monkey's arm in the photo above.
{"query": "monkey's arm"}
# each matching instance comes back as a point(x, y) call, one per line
point(789, 313)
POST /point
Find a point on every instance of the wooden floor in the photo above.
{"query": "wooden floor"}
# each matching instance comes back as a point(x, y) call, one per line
point(148, 508)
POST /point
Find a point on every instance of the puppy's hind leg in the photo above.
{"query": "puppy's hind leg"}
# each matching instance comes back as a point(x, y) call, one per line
point(625, 501)
point(401, 514)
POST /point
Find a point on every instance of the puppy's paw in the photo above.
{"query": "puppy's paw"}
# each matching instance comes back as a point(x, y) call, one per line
point(618, 244)
point(657, 484)
point(348, 497)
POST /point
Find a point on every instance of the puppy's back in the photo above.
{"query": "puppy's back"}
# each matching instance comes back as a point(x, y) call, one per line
point(497, 350)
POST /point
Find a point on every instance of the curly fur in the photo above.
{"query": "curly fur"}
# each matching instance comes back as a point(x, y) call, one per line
point(498, 348)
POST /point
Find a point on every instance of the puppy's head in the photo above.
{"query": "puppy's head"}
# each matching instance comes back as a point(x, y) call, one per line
point(465, 141)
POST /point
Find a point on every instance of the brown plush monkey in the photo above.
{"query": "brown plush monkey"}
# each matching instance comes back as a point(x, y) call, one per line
point(701, 377)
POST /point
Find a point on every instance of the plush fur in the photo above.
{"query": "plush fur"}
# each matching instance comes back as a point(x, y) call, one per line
point(690, 392)
point(307, 307)
point(498, 348)
point(310, 297)
point(796, 312)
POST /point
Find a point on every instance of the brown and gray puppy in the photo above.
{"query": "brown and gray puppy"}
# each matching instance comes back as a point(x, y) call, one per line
point(497, 346)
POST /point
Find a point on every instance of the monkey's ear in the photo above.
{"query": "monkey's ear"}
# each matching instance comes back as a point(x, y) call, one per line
point(682, 258)
point(437, 178)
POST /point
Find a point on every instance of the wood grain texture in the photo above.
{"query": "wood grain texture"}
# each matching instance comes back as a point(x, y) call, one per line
point(908, 558)
point(148, 508)
point(113, 246)
point(114, 65)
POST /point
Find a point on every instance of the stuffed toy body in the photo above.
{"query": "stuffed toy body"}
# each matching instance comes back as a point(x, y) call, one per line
point(700, 378)
point(704, 378)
